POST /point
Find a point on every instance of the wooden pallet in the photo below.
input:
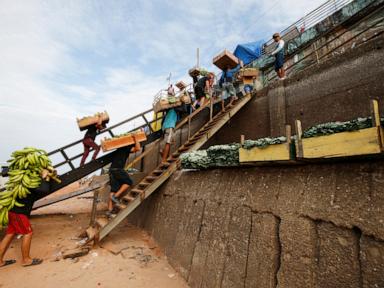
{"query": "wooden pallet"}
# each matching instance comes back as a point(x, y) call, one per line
point(161, 173)
point(367, 141)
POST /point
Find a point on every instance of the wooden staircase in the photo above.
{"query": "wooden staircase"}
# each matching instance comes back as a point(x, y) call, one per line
point(161, 173)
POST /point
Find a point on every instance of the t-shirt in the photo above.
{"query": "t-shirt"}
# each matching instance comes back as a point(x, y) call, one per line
point(120, 157)
point(279, 47)
point(36, 194)
point(170, 119)
point(91, 132)
point(201, 82)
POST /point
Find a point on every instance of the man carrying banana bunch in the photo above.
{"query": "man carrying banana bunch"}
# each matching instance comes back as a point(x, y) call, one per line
point(18, 224)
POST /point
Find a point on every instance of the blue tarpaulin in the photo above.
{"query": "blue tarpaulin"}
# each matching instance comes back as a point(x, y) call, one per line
point(249, 51)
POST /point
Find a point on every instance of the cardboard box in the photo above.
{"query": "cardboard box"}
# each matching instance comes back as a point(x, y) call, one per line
point(118, 142)
point(226, 60)
point(87, 121)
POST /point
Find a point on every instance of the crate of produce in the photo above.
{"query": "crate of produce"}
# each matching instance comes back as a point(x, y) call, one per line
point(358, 137)
point(226, 60)
point(267, 149)
point(185, 98)
point(249, 72)
point(122, 140)
point(166, 103)
point(87, 121)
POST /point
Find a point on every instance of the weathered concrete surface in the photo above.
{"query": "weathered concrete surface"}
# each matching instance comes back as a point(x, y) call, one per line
point(337, 90)
point(290, 226)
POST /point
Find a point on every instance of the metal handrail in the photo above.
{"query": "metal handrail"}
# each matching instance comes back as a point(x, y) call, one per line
point(147, 125)
point(315, 50)
point(319, 14)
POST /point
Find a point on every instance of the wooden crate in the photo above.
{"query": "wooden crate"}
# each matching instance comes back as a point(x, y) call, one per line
point(164, 104)
point(276, 152)
point(185, 98)
point(194, 72)
point(249, 72)
point(87, 121)
point(114, 143)
point(367, 141)
point(343, 144)
point(248, 80)
point(181, 85)
point(226, 60)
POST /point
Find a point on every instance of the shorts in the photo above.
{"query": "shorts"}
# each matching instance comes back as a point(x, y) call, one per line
point(18, 224)
point(118, 177)
point(279, 61)
point(200, 93)
point(169, 135)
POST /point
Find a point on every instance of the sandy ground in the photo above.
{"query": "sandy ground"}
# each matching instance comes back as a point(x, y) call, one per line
point(128, 258)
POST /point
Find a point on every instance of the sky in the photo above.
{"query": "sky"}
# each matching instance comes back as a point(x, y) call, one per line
point(60, 60)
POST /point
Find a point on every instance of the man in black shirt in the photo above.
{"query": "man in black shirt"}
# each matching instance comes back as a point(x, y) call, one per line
point(119, 178)
point(89, 141)
point(18, 224)
point(203, 88)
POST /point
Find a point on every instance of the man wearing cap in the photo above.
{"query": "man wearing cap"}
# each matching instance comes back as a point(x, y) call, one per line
point(279, 56)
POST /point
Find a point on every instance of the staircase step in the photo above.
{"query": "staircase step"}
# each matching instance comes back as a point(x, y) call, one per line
point(121, 206)
point(137, 191)
point(157, 172)
point(171, 160)
point(151, 178)
point(176, 154)
point(101, 222)
point(143, 184)
point(128, 198)
point(182, 149)
point(164, 165)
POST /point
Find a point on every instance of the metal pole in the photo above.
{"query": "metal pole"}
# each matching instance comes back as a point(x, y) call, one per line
point(198, 57)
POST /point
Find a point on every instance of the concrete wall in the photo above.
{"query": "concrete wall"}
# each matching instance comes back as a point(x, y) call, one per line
point(289, 226)
point(336, 90)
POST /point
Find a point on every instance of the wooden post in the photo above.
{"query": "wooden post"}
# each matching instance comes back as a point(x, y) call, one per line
point(315, 50)
point(94, 207)
point(189, 128)
point(299, 142)
point(288, 133)
point(242, 138)
point(211, 109)
point(375, 113)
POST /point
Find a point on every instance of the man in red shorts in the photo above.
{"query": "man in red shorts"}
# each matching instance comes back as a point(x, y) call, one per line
point(18, 224)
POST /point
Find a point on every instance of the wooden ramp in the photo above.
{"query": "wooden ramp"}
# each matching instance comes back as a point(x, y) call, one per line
point(160, 174)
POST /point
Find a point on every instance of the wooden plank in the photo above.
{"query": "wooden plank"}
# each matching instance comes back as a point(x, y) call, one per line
point(276, 152)
point(299, 142)
point(360, 142)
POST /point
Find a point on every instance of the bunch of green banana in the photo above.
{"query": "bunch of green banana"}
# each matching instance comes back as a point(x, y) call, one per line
point(25, 169)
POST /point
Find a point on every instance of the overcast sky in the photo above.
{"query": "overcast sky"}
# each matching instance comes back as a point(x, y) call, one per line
point(64, 59)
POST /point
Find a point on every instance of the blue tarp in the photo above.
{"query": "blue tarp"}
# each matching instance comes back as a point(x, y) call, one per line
point(249, 51)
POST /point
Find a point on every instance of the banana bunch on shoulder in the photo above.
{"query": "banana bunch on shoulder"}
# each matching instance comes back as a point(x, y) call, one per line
point(27, 168)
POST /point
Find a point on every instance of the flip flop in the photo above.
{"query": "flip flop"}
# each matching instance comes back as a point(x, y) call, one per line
point(8, 262)
point(35, 261)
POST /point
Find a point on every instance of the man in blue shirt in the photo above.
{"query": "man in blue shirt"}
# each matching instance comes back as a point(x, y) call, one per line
point(169, 125)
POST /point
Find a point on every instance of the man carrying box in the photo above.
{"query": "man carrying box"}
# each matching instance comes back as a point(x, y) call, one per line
point(89, 141)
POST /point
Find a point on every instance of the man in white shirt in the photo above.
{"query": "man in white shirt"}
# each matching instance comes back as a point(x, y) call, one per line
point(279, 55)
